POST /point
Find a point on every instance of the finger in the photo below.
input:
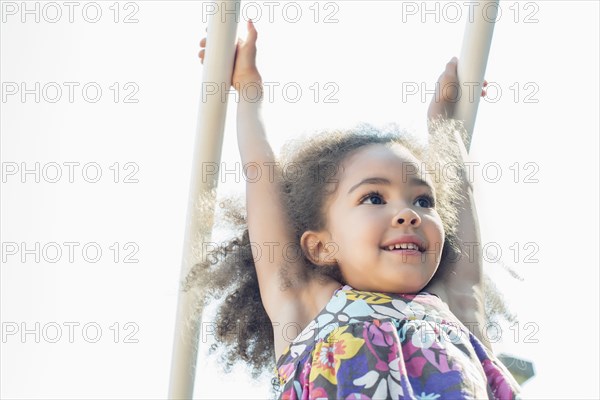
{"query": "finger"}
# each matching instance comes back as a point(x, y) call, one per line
point(239, 44)
point(203, 42)
point(485, 83)
point(483, 93)
point(452, 65)
point(201, 54)
point(252, 33)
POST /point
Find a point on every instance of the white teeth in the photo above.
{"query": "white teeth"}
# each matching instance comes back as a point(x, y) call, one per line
point(404, 246)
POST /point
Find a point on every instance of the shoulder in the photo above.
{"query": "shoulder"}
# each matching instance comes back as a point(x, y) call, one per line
point(437, 288)
point(464, 300)
point(296, 309)
point(305, 300)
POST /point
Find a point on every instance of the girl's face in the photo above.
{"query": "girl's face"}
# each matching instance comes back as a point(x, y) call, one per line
point(383, 199)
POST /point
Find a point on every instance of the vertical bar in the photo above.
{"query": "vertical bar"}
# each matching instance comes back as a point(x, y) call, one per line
point(216, 81)
point(477, 41)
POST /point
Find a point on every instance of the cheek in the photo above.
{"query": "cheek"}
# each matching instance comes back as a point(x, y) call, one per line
point(366, 223)
point(356, 233)
point(435, 227)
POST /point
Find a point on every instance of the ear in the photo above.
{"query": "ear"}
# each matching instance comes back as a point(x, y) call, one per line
point(317, 249)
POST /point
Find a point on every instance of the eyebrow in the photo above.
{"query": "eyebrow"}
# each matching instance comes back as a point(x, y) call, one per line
point(413, 181)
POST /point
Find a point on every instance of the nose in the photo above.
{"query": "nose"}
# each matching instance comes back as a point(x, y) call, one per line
point(407, 216)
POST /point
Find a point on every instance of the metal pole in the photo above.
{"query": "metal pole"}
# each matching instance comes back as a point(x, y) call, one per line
point(471, 69)
point(216, 81)
point(476, 45)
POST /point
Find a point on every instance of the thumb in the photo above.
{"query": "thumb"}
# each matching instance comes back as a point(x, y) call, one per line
point(452, 65)
point(252, 33)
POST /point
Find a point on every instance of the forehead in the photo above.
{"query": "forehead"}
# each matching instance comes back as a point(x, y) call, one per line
point(382, 160)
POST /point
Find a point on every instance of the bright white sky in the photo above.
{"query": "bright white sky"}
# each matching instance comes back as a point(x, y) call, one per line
point(544, 66)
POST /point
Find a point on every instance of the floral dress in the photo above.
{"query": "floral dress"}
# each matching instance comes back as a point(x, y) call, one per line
point(366, 345)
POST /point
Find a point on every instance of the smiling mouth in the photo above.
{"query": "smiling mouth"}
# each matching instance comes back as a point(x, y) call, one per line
point(404, 247)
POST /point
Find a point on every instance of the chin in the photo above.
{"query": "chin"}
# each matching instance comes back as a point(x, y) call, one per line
point(412, 283)
point(413, 289)
point(403, 288)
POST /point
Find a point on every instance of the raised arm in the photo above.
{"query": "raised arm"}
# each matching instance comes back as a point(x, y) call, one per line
point(462, 288)
point(267, 221)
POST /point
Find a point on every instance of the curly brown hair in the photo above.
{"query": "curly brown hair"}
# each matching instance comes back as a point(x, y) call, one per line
point(228, 277)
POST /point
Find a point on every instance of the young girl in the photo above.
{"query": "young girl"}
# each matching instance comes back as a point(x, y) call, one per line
point(361, 309)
